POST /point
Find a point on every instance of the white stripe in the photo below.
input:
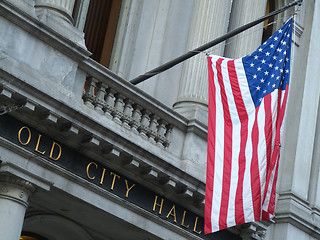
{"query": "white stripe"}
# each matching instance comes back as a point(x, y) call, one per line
point(262, 148)
point(235, 145)
point(219, 143)
point(250, 108)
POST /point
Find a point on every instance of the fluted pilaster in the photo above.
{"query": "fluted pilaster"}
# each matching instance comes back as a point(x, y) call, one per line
point(14, 196)
point(209, 21)
point(243, 12)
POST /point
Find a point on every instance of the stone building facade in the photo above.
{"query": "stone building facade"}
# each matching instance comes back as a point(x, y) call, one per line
point(84, 154)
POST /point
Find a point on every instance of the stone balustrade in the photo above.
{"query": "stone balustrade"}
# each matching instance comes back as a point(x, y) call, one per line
point(125, 111)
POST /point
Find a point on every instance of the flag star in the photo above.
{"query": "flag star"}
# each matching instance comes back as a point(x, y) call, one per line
point(285, 52)
point(263, 61)
point(267, 53)
point(251, 64)
point(272, 76)
point(279, 50)
point(258, 88)
point(280, 31)
point(260, 99)
point(275, 38)
point(268, 83)
point(264, 91)
point(262, 80)
point(281, 70)
point(284, 43)
point(256, 57)
point(265, 43)
point(266, 73)
point(260, 49)
point(270, 65)
point(259, 68)
point(288, 35)
point(281, 60)
point(276, 68)
point(278, 77)
point(287, 59)
point(275, 57)
point(273, 85)
point(255, 76)
point(287, 70)
point(271, 46)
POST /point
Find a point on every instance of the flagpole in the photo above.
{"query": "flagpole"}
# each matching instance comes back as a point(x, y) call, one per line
point(196, 51)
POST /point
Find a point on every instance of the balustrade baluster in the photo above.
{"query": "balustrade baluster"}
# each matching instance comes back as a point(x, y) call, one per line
point(100, 102)
point(161, 132)
point(136, 118)
point(89, 96)
point(118, 108)
point(145, 122)
point(109, 103)
point(153, 128)
point(127, 113)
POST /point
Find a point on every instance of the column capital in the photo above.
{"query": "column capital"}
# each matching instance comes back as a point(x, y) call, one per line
point(16, 189)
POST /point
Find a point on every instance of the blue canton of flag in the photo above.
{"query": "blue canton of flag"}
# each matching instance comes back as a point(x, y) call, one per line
point(268, 67)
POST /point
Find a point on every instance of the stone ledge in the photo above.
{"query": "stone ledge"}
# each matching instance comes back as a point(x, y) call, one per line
point(298, 212)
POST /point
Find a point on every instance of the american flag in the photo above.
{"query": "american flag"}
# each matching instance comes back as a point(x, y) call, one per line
point(247, 99)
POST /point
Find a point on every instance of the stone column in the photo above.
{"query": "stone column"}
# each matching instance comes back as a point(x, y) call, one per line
point(243, 12)
point(61, 8)
point(57, 14)
point(209, 21)
point(14, 195)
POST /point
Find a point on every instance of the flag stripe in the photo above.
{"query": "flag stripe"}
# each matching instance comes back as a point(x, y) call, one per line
point(243, 134)
point(219, 133)
point(227, 149)
point(211, 149)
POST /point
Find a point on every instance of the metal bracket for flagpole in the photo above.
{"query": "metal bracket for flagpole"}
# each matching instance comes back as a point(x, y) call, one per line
point(200, 49)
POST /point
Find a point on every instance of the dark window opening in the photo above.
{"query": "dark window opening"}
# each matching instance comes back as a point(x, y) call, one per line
point(100, 28)
point(268, 29)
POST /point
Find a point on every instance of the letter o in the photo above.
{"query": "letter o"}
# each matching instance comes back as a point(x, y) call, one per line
point(19, 136)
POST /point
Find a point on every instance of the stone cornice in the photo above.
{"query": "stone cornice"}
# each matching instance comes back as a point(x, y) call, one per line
point(298, 212)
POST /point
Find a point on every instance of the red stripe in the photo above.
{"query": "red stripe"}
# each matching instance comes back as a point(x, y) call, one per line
point(254, 170)
point(211, 149)
point(227, 152)
point(268, 136)
point(276, 154)
point(268, 127)
point(243, 116)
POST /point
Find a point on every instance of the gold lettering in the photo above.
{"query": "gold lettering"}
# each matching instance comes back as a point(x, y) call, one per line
point(37, 146)
point(183, 219)
point(157, 204)
point(195, 226)
point(128, 189)
point(29, 136)
point(88, 170)
point(102, 177)
point(114, 179)
point(173, 209)
point(51, 152)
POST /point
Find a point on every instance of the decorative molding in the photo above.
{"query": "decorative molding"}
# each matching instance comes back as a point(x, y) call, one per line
point(16, 189)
